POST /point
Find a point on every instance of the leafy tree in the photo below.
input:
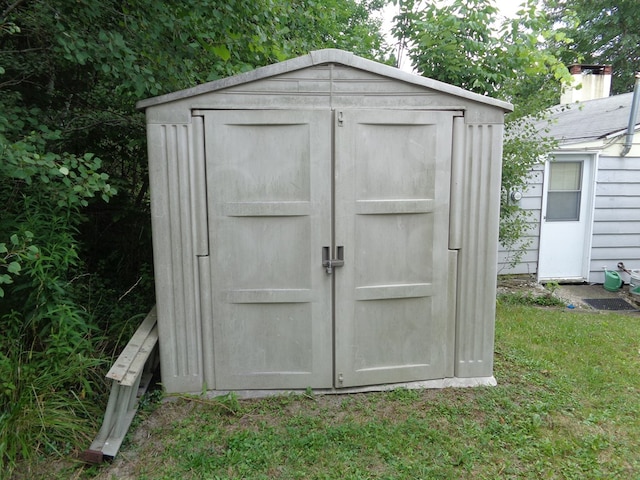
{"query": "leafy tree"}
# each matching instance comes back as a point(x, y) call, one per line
point(603, 33)
point(465, 44)
point(71, 139)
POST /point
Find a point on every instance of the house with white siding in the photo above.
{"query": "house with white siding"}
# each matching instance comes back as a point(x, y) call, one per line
point(584, 200)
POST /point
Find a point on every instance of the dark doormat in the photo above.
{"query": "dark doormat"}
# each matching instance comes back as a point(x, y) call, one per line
point(609, 303)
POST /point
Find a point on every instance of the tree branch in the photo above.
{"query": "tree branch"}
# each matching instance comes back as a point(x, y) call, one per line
point(11, 7)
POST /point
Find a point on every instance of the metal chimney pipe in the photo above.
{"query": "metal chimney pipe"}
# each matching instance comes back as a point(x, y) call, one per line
point(632, 117)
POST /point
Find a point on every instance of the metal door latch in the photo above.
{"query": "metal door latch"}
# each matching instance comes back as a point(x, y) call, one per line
point(328, 262)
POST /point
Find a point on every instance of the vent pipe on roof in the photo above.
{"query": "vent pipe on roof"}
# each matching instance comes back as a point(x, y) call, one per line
point(632, 117)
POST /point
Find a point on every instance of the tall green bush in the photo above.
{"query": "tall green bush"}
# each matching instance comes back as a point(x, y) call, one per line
point(47, 351)
point(75, 271)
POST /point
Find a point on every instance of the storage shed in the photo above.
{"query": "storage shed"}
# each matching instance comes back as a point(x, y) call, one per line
point(326, 222)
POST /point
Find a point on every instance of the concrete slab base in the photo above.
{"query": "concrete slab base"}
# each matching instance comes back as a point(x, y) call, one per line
point(577, 293)
point(452, 382)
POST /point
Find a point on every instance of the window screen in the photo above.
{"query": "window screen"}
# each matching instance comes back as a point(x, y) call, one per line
point(565, 190)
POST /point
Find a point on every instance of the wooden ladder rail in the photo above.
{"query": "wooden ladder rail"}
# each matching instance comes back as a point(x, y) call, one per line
point(130, 377)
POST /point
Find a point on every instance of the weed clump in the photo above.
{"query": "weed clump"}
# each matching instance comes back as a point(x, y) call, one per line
point(529, 298)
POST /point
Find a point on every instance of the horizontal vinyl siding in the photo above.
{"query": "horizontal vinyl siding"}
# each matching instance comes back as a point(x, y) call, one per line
point(532, 203)
point(619, 214)
point(616, 228)
point(617, 189)
point(528, 262)
point(612, 255)
point(616, 177)
point(618, 202)
point(618, 240)
point(605, 228)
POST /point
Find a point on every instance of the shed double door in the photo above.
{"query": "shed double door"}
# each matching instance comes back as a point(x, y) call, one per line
point(289, 190)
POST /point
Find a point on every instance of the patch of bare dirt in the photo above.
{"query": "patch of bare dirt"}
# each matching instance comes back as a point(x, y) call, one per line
point(519, 284)
point(146, 440)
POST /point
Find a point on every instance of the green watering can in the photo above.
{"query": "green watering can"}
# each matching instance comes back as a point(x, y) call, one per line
point(612, 281)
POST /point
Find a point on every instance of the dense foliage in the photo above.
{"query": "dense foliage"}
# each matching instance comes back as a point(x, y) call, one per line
point(75, 250)
point(466, 43)
point(603, 33)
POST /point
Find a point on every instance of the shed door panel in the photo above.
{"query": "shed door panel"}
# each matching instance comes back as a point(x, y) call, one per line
point(392, 177)
point(269, 197)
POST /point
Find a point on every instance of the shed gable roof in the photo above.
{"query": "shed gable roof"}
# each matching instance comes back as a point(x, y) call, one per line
point(322, 57)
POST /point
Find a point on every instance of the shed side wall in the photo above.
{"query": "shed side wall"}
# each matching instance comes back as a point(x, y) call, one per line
point(171, 163)
point(477, 267)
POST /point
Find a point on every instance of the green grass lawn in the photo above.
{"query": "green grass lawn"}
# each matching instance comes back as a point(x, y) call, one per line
point(567, 405)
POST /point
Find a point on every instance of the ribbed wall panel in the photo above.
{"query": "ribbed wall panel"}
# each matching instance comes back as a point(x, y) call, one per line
point(171, 170)
point(478, 256)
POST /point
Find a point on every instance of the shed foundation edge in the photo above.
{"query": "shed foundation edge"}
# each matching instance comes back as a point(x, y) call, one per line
point(453, 382)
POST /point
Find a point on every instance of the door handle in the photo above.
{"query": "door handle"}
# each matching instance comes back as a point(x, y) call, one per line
point(330, 263)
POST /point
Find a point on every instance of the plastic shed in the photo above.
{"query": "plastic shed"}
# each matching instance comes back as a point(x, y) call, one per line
point(326, 222)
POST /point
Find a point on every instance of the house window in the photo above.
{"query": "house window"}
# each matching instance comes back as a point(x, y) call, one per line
point(565, 190)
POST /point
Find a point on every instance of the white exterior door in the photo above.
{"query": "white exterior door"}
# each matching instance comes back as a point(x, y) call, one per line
point(284, 194)
point(567, 211)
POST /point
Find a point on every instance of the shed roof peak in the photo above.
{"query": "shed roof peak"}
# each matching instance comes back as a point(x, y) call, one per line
point(322, 57)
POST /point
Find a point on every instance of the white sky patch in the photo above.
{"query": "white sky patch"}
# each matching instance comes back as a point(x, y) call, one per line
point(508, 8)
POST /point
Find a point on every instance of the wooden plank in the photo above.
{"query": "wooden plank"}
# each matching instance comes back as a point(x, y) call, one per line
point(128, 355)
point(138, 363)
point(123, 422)
point(131, 376)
